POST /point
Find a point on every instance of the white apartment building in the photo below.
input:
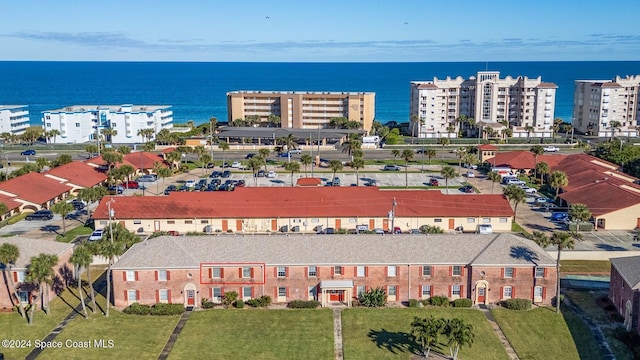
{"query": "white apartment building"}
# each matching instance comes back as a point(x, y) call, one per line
point(607, 107)
point(78, 123)
point(526, 105)
point(14, 119)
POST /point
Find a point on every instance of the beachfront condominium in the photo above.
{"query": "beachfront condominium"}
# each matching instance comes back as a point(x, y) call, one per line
point(117, 123)
point(302, 109)
point(607, 108)
point(14, 119)
point(525, 106)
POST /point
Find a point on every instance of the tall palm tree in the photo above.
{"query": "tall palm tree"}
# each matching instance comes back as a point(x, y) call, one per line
point(558, 179)
point(426, 332)
point(111, 158)
point(163, 173)
point(447, 172)
point(444, 142)
point(357, 164)
point(430, 153)
point(615, 125)
point(264, 154)
point(292, 167)
point(396, 153)
point(224, 146)
point(40, 273)
point(542, 168)
point(515, 194)
point(306, 160)
point(529, 129)
point(255, 163)
point(335, 166)
point(9, 254)
point(54, 133)
point(537, 150)
point(407, 154)
point(82, 259)
point(109, 133)
point(579, 213)
point(561, 240)
point(63, 208)
point(93, 249)
point(174, 158)
point(494, 177)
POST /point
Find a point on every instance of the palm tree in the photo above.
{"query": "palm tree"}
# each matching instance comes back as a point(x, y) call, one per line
point(515, 194)
point(459, 334)
point(542, 168)
point(430, 153)
point(407, 154)
point(529, 129)
point(9, 254)
point(163, 173)
point(426, 331)
point(561, 240)
point(558, 179)
point(537, 150)
point(255, 163)
point(264, 154)
point(224, 146)
point(63, 208)
point(494, 177)
point(175, 159)
point(90, 195)
point(335, 166)
point(93, 249)
point(615, 125)
point(579, 213)
point(82, 259)
point(395, 153)
point(40, 273)
point(447, 172)
point(292, 167)
point(351, 145)
point(54, 133)
point(444, 142)
point(109, 133)
point(357, 164)
point(111, 158)
point(305, 160)
point(204, 159)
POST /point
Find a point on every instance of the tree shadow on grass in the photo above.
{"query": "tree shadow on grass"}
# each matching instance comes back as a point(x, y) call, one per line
point(394, 342)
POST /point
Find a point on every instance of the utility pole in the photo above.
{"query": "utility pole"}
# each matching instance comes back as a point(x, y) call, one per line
point(112, 214)
point(392, 214)
point(312, 159)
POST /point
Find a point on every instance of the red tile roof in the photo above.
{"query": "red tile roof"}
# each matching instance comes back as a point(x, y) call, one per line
point(305, 202)
point(309, 181)
point(604, 197)
point(547, 85)
point(78, 173)
point(487, 147)
point(427, 86)
point(524, 159)
point(143, 160)
point(10, 202)
point(34, 187)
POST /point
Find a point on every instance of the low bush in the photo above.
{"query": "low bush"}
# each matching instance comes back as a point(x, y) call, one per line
point(462, 303)
point(302, 304)
point(439, 301)
point(207, 304)
point(554, 299)
point(167, 309)
point(239, 304)
point(517, 304)
point(263, 301)
point(413, 303)
point(373, 298)
point(137, 309)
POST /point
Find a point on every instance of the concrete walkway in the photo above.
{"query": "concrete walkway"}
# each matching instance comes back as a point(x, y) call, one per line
point(503, 339)
point(174, 335)
point(337, 334)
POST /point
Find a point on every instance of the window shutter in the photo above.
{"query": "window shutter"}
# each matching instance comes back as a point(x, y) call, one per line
point(137, 295)
point(449, 291)
point(157, 296)
point(126, 295)
point(533, 293)
point(419, 292)
point(333, 270)
point(433, 291)
point(168, 275)
point(433, 271)
point(124, 276)
point(222, 272)
point(211, 293)
point(210, 273)
point(544, 275)
point(286, 291)
point(156, 275)
point(306, 272)
point(366, 271)
point(502, 272)
point(221, 291)
point(135, 273)
point(275, 293)
point(15, 276)
point(501, 292)
point(318, 271)
point(544, 293)
point(169, 296)
point(462, 294)
point(513, 292)
point(355, 271)
point(450, 270)
point(252, 295)
point(275, 271)
point(239, 273)
point(514, 273)
point(252, 273)
point(286, 271)
point(386, 270)
point(461, 271)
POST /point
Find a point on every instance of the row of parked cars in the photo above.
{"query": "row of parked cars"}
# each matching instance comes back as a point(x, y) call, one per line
point(216, 184)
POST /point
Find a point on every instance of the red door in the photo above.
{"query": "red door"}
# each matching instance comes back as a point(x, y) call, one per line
point(338, 224)
point(191, 297)
point(335, 295)
point(452, 224)
point(481, 295)
point(274, 225)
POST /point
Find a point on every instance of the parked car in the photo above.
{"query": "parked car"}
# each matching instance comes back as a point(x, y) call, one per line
point(249, 155)
point(191, 183)
point(551, 148)
point(29, 152)
point(470, 166)
point(78, 204)
point(215, 174)
point(470, 174)
point(169, 189)
point(485, 229)
point(370, 182)
point(543, 200)
point(118, 189)
point(225, 174)
point(147, 178)
point(515, 181)
point(271, 174)
point(559, 216)
point(329, 230)
point(96, 235)
point(260, 173)
point(130, 184)
point(467, 189)
point(240, 183)
point(211, 165)
point(529, 190)
point(295, 151)
point(378, 231)
point(336, 181)
point(434, 182)
point(40, 215)
point(236, 164)
point(389, 167)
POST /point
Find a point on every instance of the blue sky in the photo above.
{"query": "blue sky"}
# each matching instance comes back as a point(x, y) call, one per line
point(319, 31)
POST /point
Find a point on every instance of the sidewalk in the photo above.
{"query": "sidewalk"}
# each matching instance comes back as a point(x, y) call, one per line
point(496, 328)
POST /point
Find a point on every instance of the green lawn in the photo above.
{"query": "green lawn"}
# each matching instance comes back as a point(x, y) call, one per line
point(256, 334)
point(585, 266)
point(542, 334)
point(384, 333)
point(73, 232)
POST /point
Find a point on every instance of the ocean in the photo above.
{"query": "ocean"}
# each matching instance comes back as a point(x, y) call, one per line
point(197, 91)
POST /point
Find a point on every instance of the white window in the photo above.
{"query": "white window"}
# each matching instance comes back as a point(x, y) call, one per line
point(486, 220)
point(246, 292)
point(426, 291)
point(506, 292)
point(503, 220)
point(471, 220)
point(360, 290)
point(537, 292)
point(360, 271)
point(426, 270)
point(508, 272)
point(216, 294)
point(282, 291)
point(312, 271)
point(391, 270)
point(337, 270)
point(246, 271)
point(392, 290)
point(456, 271)
point(282, 271)
point(137, 222)
point(455, 291)
point(539, 273)
point(131, 275)
point(162, 275)
point(163, 295)
point(132, 295)
point(437, 220)
point(216, 272)
point(21, 275)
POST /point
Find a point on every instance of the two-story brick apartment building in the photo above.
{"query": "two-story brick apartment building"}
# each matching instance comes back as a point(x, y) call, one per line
point(624, 290)
point(333, 268)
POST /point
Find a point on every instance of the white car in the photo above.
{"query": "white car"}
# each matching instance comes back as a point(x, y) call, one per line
point(529, 190)
point(236, 165)
point(542, 200)
point(551, 148)
point(271, 174)
point(470, 166)
point(470, 174)
point(515, 181)
point(190, 183)
point(96, 235)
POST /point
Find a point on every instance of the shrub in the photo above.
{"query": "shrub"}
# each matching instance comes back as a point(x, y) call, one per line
point(554, 299)
point(207, 304)
point(263, 301)
point(463, 303)
point(239, 304)
point(413, 303)
point(167, 309)
point(229, 298)
point(517, 304)
point(439, 301)
point(302, 304)
point(373, 298)
point(137, 309)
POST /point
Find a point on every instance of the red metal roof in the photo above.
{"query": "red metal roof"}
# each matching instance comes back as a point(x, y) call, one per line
point(603, 197)
point(524, 159)
point(34, 187)
point(487, 147)
point(304, 202)
point(309, 181)
point(78, 173)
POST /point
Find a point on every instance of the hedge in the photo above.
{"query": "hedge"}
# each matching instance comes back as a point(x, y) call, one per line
point(239, 304)
point(517, 304)
point(302, 304)
point(462, 303)
point(167, 309)
point(439, 301)
point(137, 309)
point(413, 303)
point(262, 301)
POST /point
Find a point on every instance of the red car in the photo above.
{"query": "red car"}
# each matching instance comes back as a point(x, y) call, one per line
point(130, 185)
point(434, 182)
